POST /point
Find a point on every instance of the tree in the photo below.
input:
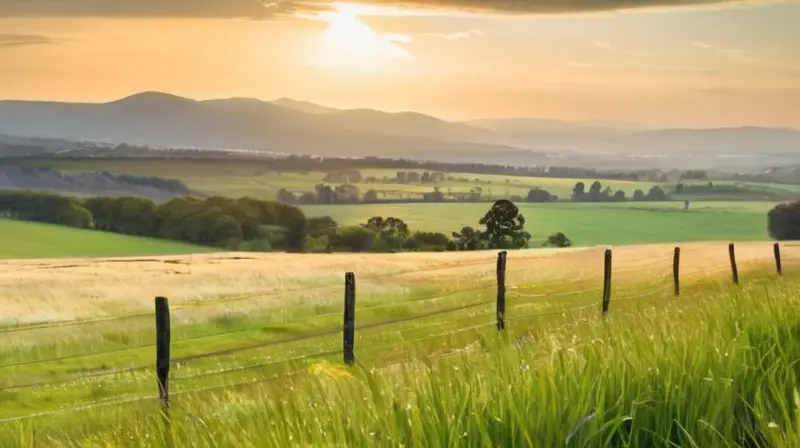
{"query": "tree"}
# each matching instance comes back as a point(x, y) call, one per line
point(346, 194)
point(435, 196)
point(319, 226)
point(783, 222)
point(579, 191)
point(469, 239)
point(539, 195)
point(324, 194)
point(371, 196)
point(391, 231)
point(352, 239)
point(505, 226)
point(638, 195)
point(595, 191)
point(427, 241)
point(619, 196)
point(285, 196)
point(656, 194)
point(558, 240)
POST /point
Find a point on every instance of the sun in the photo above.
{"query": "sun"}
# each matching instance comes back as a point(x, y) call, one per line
point(350, 43)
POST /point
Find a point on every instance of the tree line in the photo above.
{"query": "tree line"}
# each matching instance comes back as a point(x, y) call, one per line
point(239, 224)
point(254, 225)
point(98, 182)
point(350, 194)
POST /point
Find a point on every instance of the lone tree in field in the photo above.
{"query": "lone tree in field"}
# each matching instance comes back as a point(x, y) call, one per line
point(783, 222)
point(505, 226)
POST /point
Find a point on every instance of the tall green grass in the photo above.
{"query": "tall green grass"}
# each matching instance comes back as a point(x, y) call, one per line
point(716, 367)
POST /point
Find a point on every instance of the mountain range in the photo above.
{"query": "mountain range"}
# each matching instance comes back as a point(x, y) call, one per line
point(299, 127)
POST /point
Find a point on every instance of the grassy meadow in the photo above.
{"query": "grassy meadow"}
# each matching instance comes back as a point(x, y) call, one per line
point(585, 224)
point(247, 178)
point(21, 239)
point(260, 365)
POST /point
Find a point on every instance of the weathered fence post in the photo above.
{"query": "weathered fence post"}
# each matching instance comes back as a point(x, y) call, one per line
point(676, 270)
point(349, 317)
point(162, 348)
point(734, 268)
point(606, 281)
point(778, 266)
point(501, 291)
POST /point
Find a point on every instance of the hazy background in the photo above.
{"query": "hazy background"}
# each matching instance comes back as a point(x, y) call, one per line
point(702, 65)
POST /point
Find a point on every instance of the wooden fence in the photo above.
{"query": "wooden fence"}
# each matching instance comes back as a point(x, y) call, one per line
point(349, 327)
point(348, 330)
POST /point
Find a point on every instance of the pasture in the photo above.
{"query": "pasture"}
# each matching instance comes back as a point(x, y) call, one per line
point(21, 239)
point(257, 350)
point(247, 178)
point(585, 224)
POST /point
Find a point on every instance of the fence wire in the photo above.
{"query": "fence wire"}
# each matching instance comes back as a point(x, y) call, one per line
point(95, 373)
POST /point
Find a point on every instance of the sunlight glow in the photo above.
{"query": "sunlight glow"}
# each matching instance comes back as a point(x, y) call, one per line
point(352, 44)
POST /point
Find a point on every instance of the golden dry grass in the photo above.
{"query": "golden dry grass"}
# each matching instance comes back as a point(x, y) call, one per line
point(66, 289)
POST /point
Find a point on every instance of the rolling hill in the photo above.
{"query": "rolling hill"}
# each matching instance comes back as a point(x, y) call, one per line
point(160, 119)
point(23, 239)
point(297, 127)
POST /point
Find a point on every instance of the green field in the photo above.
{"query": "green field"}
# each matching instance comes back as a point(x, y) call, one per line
point(236, 179)
point(585, 224)
point(20, 239)
point(713, 367)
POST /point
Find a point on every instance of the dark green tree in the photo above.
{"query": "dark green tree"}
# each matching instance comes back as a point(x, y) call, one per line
point(783, 222)
point(469, 239)
point(505, 226)
point(558, 240)
point(579, 191)
point(656, 193)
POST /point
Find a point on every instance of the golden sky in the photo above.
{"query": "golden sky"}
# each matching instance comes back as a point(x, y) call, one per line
point(704, 63)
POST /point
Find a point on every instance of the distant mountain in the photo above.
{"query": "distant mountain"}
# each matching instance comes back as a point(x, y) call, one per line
point(160, 119)
point(539, 126)
point(305, 106)
point(299, 127)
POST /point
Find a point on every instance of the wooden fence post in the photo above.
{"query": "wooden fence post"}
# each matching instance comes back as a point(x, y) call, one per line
point(162, 348)
point(349, 318)
point(606, 281)
point(676, 270)
point(734, 268)
point(501, 291)
point(777, 248)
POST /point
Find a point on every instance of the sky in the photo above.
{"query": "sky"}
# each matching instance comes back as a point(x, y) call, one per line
point(690, 63)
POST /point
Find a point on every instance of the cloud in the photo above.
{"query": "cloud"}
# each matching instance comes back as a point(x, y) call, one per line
point(457, 35)
point(580, 64)
point(614, 49)
point(253, 9)
point(19, 40)
point(261, 9)
point(736, 54)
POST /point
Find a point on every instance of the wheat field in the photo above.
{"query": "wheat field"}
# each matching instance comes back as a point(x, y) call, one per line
point(256, 350)
point(62, 289)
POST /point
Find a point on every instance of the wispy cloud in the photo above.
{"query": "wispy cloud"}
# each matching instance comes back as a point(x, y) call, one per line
point(580, 65)
point(262, 9)
point(614, 49)
point(736, 54)
point(457, 35)
point(19, 40)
